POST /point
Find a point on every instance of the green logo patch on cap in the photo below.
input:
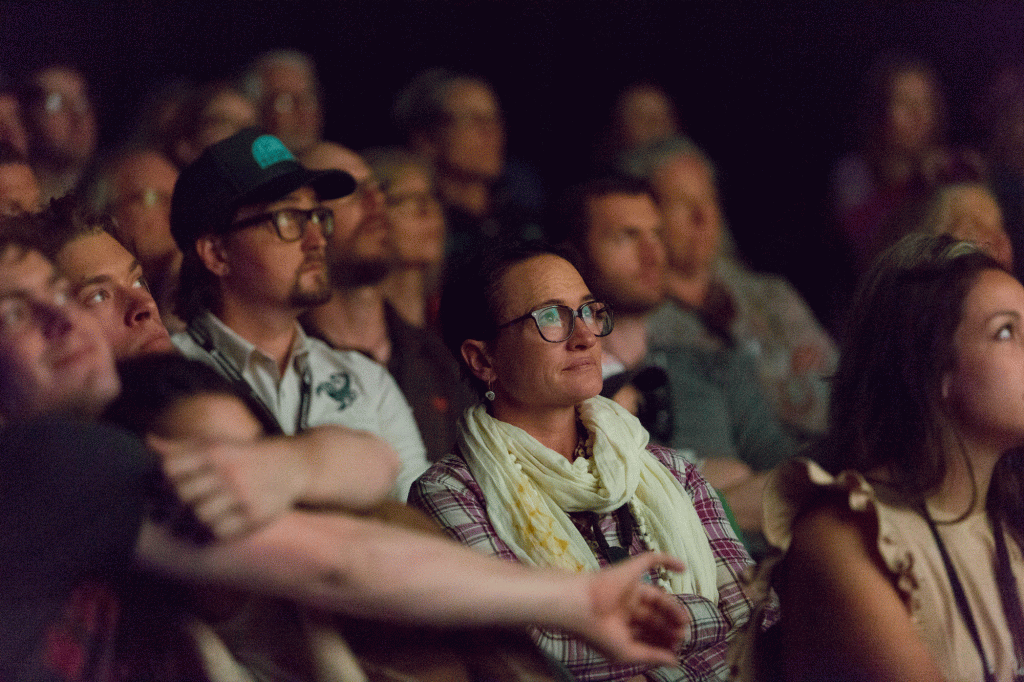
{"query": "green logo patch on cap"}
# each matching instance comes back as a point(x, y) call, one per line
point(268, 150)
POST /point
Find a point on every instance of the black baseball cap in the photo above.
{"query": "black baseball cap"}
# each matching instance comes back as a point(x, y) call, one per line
point(250, 167)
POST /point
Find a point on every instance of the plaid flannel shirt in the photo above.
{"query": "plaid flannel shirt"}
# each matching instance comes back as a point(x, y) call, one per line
point(448, 493)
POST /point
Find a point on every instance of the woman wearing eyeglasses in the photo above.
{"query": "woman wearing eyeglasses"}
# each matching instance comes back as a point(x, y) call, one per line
point(548, 473)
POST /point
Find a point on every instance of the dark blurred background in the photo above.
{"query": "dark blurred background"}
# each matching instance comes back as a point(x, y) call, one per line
point(768, 88)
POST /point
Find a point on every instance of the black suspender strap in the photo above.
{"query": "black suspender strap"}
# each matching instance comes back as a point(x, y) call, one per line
point(242, 387)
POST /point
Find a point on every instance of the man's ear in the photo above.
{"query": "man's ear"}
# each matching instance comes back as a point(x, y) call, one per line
point(210, 249)
point(476, 357)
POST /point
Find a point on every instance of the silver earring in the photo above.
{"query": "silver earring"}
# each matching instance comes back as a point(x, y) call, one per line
point(489, 394)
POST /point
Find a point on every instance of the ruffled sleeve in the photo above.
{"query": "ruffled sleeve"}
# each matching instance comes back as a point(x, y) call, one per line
point(801, 484)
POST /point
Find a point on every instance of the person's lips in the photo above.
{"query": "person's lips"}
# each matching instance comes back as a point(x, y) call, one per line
point(157, 342)
point(580, 364)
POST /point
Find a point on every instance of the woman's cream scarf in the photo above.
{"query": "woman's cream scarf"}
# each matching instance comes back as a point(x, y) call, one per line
point(529, 487)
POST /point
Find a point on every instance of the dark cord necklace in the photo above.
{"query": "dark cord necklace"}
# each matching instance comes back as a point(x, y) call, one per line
point(1008, 594)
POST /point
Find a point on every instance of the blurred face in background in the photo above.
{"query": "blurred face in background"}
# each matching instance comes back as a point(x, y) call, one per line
point(290, 106)
point(626, 253)
point(414, 218)
point(688, 199)
point(142, 185)
point(472, 138)
point(644, 114)
point(64, 119)
point(912, 112)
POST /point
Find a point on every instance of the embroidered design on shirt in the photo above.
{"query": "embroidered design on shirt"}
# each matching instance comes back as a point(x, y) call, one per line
point(339, 387)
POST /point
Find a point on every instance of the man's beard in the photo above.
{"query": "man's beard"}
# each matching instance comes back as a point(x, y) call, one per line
point(310, 295)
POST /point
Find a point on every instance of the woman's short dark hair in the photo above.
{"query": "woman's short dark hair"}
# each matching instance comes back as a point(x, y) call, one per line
point(471, 297)
point(886, 409)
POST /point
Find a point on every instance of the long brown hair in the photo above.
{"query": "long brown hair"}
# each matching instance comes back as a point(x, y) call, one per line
point(886, 410)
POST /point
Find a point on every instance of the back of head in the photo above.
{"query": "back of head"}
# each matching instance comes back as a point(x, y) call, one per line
point(152, 384)
point(886, 409)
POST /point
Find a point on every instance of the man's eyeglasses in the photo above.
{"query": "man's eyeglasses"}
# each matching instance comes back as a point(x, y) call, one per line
point(290, 223)
point(557, 322)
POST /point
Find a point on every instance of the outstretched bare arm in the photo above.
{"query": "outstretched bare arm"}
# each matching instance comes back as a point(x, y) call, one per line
point(365, 568)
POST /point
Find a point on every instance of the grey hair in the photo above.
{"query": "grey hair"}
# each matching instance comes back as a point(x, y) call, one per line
point(644, 161)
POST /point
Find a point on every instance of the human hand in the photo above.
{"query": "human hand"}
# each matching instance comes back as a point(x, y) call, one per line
point(231, 487)
point(631, 620)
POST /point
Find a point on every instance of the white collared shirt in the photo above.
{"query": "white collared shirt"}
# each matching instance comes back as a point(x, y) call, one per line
point(346, 388)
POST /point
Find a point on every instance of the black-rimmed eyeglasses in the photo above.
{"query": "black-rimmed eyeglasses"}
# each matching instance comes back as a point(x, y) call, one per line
point(556, 323)
point(290, 223)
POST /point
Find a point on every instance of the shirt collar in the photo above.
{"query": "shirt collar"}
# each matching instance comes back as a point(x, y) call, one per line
point(239, 350)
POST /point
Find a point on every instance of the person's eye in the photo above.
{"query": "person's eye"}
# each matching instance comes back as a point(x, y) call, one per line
point(1005, 332)
point(141, 283)
point(549, 317)
point(93, 297)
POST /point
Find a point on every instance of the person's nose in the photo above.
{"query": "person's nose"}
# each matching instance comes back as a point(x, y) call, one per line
point(140, 307)
point(582, 335)
point(652, 252)
point(313, 236)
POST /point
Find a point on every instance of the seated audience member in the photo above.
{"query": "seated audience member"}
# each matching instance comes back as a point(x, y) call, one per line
point(62, 128)
point(416, 233)
point(135, 188)
point(902, 151)
point(211, 113)
point(967, 211)
point(170, 397)
point(104, 277)
point(358, 316)
point(903, 554)
point(62, 567)
point(289, 104)
point(722, 304)
point(454, 121)
point(706, 403)
point(549, 473)
point(250, 223)
point(642, 113)
point(19, 189)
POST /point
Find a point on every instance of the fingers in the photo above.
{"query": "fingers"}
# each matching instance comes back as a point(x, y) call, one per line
point(652, 560)
point(200, 487)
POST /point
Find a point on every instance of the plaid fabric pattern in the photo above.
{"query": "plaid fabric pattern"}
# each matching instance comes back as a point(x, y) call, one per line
point(448, 493)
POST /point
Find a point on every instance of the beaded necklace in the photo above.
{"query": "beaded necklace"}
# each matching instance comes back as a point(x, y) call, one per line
point(584, 446)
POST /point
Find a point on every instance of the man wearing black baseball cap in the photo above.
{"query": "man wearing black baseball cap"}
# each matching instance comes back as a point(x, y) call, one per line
point(248, 218)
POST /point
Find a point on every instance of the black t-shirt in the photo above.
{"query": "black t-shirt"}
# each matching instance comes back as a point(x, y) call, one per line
point(71, 504)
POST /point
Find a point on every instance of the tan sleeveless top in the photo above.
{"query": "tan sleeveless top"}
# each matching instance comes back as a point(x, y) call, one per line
point(909, 551)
